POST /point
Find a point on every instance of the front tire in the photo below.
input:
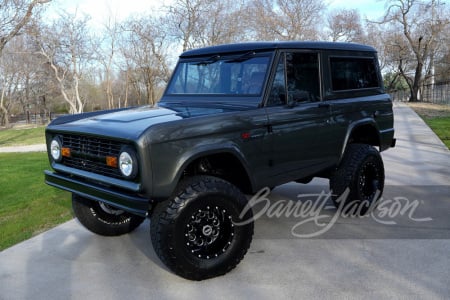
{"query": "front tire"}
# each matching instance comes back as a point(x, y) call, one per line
point(194, 234)
point(103, 219)
point(361, 175)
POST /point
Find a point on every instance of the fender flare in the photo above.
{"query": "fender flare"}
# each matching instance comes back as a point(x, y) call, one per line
point(351, 128)
point(206, 150)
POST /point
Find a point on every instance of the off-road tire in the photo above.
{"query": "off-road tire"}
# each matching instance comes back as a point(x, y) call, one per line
point(103, 219)
point(362, 172)
point(193, 232)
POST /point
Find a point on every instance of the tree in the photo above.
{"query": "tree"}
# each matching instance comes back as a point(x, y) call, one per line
point(442, 71)
point(185, 21)
point(200, 23)
point(143, 46)
point(9, 80)
point(107, 52)
point(286, 19)
point(422, 29)
point(14, 15)
point(24, 82)
point(223, 22)
point(345, 26)
point(68, 50)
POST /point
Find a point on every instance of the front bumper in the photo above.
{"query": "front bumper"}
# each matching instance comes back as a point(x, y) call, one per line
point(113, 196)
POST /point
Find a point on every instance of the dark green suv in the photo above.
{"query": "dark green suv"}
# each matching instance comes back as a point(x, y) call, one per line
point(233, 120)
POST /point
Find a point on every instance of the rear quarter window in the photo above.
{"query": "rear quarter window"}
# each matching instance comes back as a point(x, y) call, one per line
point(353, 73)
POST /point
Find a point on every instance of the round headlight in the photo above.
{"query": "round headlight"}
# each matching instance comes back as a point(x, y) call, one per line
point(128, 163)
point(55, 149)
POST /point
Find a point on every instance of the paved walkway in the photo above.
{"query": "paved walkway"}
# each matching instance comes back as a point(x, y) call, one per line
point(356, 258)
point(29, 148)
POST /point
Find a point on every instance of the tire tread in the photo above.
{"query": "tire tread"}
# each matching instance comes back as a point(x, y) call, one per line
point(168, 211)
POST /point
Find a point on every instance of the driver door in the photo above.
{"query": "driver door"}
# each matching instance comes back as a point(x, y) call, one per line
point(299, 122)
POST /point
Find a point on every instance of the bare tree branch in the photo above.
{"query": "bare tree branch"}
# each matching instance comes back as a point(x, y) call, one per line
point(18, 21)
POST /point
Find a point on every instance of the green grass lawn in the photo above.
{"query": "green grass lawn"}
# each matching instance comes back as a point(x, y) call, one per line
point(441, 126)
point(437, 117)
point(27, 205)
point(22, 136)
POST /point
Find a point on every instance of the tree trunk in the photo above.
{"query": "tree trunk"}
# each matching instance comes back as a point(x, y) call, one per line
point(415, 88)
point(79, 103)
point(127, 84)
point(4, 109)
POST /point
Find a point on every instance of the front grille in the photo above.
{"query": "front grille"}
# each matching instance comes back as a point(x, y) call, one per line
point(89, 154)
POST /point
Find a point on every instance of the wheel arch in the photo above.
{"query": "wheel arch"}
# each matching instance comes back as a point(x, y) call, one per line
point(227, 163)
point(364, 131)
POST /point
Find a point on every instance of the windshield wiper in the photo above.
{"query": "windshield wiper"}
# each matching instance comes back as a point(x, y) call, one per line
point(208, 61)
point(243, 57)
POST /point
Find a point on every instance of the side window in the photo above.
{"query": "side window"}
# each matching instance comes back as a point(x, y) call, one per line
point(353, 73)
point(303, 77)
point(296, 79)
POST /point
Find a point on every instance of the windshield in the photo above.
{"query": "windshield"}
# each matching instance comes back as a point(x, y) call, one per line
point(241, 75)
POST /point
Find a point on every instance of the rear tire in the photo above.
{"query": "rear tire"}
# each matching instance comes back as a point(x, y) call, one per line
point(103, 219)
point(193, 232)
point(362, 172)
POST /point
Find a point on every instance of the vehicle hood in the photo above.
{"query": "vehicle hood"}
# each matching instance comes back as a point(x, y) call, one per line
point(131, 123)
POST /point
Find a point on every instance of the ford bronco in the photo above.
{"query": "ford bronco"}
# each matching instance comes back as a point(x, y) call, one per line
point(233, 119)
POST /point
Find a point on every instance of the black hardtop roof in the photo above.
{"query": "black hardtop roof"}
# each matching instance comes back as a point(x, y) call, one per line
point(263, 46)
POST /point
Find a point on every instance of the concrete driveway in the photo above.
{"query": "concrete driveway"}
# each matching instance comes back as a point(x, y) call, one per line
point(400, 252)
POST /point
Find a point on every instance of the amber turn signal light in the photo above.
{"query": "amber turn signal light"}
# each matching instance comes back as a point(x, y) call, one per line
point(111, 161)
point(65, 152)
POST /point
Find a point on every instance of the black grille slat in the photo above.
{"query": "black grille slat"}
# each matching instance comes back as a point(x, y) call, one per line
point(89, 154)
point(95, 168)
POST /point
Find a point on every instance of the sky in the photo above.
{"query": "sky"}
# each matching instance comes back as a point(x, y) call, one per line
point(372, 9)
point(98, 10)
